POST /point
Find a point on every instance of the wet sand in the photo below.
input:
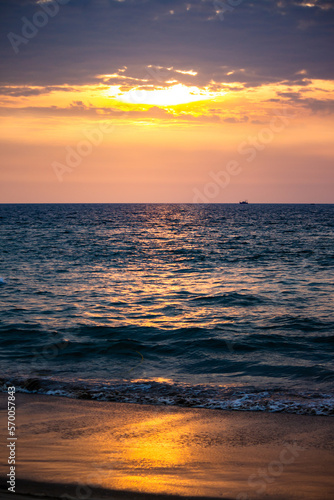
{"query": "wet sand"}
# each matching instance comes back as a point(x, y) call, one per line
point(89, 450)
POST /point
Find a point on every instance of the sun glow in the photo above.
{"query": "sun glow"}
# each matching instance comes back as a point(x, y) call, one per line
point(168, 96)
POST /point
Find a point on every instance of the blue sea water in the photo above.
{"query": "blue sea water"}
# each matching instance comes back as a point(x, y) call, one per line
point(215, 306)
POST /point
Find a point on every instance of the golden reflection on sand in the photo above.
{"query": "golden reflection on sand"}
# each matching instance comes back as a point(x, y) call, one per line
point(152, 459)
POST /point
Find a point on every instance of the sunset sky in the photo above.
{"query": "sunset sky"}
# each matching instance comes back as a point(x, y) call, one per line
point(167, 101)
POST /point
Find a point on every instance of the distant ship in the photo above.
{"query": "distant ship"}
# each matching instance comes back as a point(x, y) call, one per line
point(245, 202)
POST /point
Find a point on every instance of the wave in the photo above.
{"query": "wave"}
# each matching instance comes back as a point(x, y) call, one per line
point(230, 299)
point(155, 392)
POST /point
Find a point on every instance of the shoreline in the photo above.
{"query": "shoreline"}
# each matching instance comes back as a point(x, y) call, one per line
point(301, 401)
point(131, 451)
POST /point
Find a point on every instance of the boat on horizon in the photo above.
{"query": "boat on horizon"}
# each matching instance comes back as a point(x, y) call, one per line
point(245, 202)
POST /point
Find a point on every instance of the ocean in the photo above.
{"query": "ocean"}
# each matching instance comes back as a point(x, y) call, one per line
point(213, 306)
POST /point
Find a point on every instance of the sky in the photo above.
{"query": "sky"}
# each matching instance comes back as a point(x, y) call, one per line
point(165, 101)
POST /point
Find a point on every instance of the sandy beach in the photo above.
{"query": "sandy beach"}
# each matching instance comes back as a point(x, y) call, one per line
point(89, 449)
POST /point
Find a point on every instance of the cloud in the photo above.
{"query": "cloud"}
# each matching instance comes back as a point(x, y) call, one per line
point(232, 119)
point(315, 105)
point(256, 43)
point(144, 113)
point(318, 106)
point(26, 91)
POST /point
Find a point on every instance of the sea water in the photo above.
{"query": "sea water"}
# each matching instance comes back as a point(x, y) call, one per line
point(215, 306)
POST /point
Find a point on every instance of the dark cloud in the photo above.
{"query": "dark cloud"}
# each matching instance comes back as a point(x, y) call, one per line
point(319, 106)
point(231, 119)
point(255, 42)
point(27, 91)
point(294, 96)
point(323, 106)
